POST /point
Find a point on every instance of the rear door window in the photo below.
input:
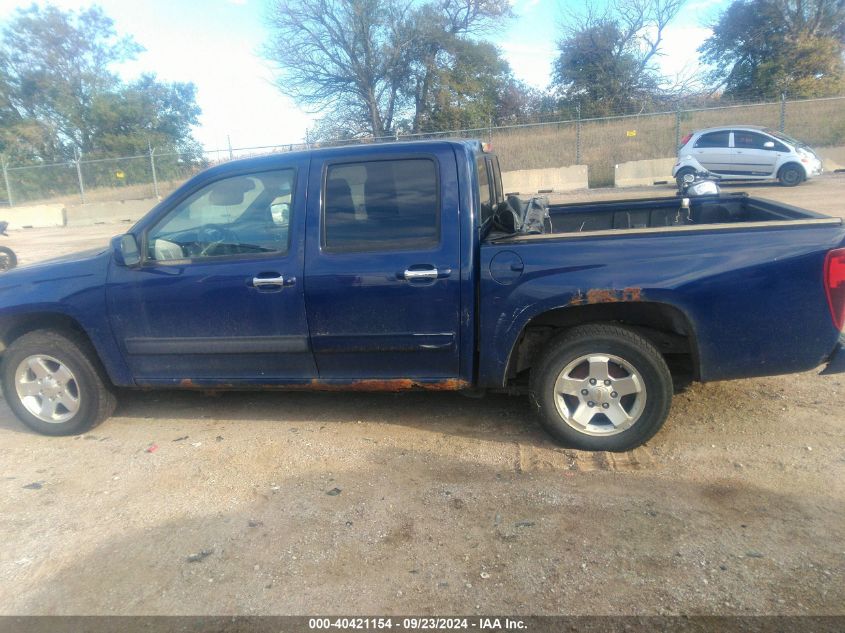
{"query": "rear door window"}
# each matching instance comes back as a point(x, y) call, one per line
point(713, 139)
point(381, 205)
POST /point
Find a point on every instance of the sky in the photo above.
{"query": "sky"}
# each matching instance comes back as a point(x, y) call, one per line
point(216, 44)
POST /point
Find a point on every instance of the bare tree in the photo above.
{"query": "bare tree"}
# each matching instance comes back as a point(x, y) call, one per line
point(370, 62)
point(334, 54)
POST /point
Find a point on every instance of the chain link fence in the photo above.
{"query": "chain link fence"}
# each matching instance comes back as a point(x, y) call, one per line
point(599, 143)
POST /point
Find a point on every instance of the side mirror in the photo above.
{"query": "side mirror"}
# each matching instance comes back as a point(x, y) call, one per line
point(769, 145)
point(125, 249)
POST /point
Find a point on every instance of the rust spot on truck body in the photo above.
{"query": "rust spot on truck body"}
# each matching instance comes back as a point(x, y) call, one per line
point(606, 295)
point(377, 384)
point(394, 384)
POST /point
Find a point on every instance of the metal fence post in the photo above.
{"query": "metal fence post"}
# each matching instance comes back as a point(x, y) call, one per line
point(6, 180)
point(229, 141)
point(153, 168)
point(782, 111)
point(578, 134)
point(677, 126)
point(79, 175)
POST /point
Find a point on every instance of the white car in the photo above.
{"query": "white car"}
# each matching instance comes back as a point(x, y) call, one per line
point(747, 152)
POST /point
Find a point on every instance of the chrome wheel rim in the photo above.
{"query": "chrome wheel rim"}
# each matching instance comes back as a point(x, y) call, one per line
point(47, 388)
point(600, 394)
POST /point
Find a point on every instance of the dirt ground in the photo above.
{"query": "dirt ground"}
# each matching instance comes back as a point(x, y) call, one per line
point(301, 503)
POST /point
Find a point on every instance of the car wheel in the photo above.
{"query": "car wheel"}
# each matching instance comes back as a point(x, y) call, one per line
point(791, 175)
point(54, 385)
point(679, 177)
point(601, 388)
point(8, 259)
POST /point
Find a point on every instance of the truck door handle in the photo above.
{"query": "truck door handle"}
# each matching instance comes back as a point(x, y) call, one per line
point(426, 273)
point(260, 282)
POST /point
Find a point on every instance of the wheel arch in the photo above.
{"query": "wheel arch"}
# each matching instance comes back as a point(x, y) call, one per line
point(668, 327)
point(13, 326)
point(792, 163)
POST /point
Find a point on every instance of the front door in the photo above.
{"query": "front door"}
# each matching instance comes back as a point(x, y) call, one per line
point(756, 154)
point(218, 298)
point(382, 283)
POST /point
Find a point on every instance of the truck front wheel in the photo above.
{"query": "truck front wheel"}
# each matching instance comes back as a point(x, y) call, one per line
point(601, 388)
point(52, 384)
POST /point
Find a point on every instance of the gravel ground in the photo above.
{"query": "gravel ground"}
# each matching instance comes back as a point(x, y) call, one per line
point(298, 503)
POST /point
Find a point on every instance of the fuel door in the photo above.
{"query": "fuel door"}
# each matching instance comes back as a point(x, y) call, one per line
point(506, 267)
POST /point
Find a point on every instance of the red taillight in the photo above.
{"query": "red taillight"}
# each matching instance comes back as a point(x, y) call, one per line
point(834, 283)
point(685, 140)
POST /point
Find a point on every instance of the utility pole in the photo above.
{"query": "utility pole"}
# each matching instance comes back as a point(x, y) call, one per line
point(229, 141)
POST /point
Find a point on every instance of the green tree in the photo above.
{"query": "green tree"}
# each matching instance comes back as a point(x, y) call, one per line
point(60, 95)
point(763, 48)
point(606, 59)
point(145, 113)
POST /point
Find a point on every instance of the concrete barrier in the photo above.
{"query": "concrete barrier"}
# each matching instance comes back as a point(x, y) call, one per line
point(643, 172)
point(833, 158)
point(108, 212)
point(526, 181)
point(35, 216)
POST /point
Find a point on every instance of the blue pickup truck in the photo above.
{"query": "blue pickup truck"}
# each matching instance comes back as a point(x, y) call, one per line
point(404, 266)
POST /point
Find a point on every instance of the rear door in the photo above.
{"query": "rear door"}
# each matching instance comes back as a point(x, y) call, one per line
point(713, 151)
point(752, 156)
point(382, 285)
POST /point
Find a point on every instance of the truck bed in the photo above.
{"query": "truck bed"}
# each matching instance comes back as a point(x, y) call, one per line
point(660, 214)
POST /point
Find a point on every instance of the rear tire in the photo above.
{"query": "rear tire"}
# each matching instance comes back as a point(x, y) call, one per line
point(679, 177)
point(601, 388)
point(53, 383)
point(791, 175)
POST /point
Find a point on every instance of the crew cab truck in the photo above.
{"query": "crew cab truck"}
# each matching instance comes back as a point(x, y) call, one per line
point(403, 266)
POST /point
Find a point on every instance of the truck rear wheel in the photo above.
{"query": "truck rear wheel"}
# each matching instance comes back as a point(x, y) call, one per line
point(52, 384)
point(601, 388)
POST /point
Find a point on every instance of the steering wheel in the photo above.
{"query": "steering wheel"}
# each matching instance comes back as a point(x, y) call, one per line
point(211, 236)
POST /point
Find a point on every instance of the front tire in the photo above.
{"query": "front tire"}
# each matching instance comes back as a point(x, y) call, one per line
point(54, 385)
point(791, 175)
point(601, 388)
